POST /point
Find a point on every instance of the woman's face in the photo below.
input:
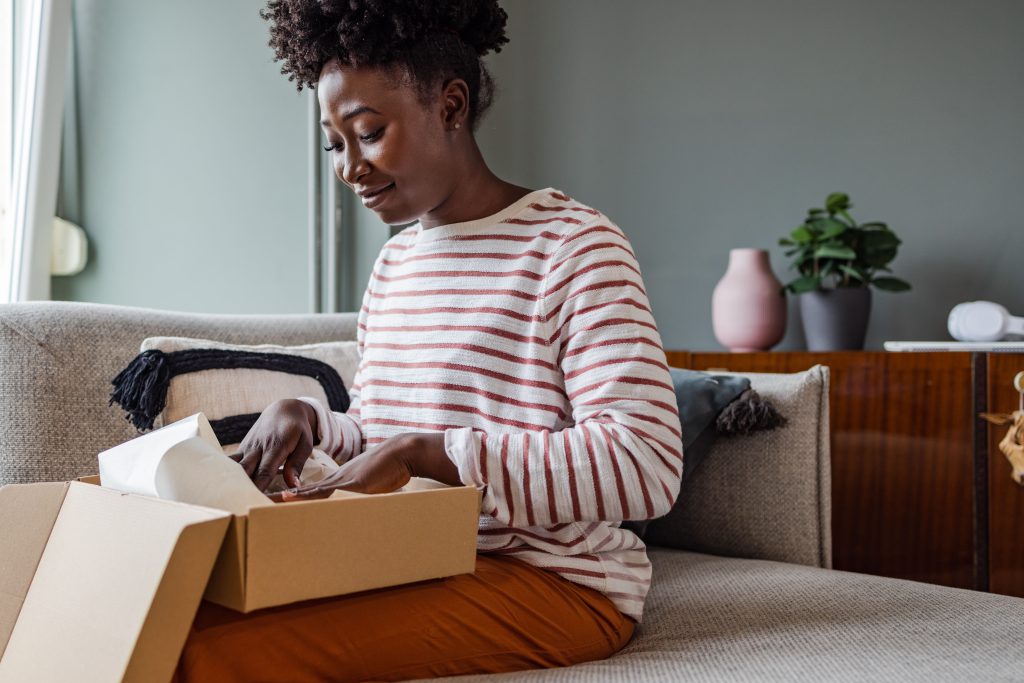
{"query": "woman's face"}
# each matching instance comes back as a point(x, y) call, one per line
point(390, 149)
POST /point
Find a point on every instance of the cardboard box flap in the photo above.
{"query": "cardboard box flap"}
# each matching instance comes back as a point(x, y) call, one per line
point(27, 514)
point(115, 590)
point(227, 584)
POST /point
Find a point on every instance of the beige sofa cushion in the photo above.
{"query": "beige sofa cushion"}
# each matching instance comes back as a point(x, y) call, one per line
point(712, 619)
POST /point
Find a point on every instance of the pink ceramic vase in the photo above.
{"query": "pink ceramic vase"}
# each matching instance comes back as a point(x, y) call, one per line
point(748, 308)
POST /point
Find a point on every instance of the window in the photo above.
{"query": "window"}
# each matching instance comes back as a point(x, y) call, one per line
point(6, 139)
point(35, 36)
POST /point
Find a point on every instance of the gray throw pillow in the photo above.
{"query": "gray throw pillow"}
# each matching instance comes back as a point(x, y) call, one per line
point(701, 398)
point(709, 406)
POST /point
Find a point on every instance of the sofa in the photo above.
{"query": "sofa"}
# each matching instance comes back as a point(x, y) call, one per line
point(747, 594)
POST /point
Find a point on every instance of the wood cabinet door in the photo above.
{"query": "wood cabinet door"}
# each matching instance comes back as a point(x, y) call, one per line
point(903, 430)
point(1005, 497)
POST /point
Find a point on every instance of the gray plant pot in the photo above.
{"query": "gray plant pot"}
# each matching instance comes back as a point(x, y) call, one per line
point(836, 319)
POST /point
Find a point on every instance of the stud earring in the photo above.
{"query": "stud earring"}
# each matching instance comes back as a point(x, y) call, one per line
point(458, 125)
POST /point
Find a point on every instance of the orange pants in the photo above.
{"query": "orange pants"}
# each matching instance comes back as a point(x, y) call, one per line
point(508, 616)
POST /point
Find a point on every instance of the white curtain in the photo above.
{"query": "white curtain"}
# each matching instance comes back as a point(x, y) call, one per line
point(6, 138)
point(41, 69)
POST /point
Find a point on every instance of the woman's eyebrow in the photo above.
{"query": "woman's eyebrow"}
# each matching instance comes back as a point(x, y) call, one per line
point(355, 112)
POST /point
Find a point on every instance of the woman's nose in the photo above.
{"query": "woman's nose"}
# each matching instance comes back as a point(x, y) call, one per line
point(353, 166)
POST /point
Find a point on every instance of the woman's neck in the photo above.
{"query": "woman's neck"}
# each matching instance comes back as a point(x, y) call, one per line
point(477, 193)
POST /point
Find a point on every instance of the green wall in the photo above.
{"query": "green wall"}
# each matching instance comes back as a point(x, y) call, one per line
point(697, 125)
point(193, 160)
point(702, 125)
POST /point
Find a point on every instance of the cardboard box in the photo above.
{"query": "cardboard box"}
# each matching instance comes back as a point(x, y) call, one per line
point(96, 585)
point(99, 585)
point(347, 543)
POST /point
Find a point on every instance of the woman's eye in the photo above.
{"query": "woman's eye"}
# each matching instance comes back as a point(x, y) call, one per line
point(369, 137)
point(372, 136)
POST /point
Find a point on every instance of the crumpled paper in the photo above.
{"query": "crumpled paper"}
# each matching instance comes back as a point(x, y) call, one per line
point(184, 462)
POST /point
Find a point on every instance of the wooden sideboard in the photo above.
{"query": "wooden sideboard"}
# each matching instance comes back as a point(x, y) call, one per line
point(920, 489)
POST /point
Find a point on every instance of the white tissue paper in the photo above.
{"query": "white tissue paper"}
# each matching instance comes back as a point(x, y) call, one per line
point(184, 462)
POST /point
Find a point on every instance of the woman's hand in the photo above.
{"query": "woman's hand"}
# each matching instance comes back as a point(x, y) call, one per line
point(383, 469)
point(283, 434)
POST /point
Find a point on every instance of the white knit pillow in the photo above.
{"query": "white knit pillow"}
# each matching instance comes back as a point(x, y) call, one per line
point(226, 392)
point(232, 384)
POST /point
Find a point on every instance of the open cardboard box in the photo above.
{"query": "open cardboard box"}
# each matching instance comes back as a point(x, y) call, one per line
point(100, 585)
point(349, 542)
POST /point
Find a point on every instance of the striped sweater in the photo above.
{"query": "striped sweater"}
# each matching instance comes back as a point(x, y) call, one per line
point(527, 338)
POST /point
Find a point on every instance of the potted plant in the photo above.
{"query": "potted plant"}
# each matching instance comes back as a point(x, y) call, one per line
point(838, 261)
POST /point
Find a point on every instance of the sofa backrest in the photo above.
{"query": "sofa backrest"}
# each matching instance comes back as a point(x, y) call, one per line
point(57, 360)
point(767, 495)
point(762, 496)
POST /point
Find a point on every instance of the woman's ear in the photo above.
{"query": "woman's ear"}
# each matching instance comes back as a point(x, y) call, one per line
point(455, 98)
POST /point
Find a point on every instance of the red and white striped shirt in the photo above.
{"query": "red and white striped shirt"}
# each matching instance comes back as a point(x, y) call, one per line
point(527, 338)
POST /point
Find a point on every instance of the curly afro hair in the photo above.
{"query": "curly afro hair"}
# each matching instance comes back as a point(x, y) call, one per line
point(433, 41)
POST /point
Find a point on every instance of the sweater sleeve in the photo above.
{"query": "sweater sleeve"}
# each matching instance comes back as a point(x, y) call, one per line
point(340, 435)
point(622, 456)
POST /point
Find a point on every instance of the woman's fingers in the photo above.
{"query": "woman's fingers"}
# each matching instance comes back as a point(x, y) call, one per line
point(321, 489)
point(379, 470)
point(295, 461)
point(307, 493)
point(251, 460)
point(270, 461)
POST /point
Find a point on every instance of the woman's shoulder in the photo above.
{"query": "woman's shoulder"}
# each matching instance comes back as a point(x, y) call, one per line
point(584, 225)
point(401, 240)
point(563, 218)
point(556, 201)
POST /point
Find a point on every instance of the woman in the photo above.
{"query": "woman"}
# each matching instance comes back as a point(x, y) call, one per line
point(506, 342)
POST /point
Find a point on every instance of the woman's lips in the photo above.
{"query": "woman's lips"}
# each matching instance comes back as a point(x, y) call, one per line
point(374, 200)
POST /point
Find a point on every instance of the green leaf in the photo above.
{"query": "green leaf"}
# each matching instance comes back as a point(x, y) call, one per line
point(836, 202)
point(874, 225)
point(891, 284)
point(786, 243)
point(805, 259)
point(877, 258)
point(802, 235)
point(881, 239)
point(832, 228)
point(807, 283)
point(853, 272)
point(814, 213)
point(879, 247)
point(829, 251)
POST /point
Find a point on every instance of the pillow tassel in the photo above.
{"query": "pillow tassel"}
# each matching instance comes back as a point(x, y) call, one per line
point(141, 388)
point(748, 413)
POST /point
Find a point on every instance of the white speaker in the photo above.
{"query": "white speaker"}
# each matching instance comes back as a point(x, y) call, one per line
point(982, 321)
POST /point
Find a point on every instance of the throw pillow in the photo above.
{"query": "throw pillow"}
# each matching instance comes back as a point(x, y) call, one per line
point(174, 377)
point(711, 406)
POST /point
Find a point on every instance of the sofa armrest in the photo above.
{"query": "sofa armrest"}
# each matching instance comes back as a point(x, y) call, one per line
point(57, 360)
point(767, 495)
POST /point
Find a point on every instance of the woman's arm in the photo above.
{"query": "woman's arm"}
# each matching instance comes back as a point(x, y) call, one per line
point(622, 459)
point(340, 435)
